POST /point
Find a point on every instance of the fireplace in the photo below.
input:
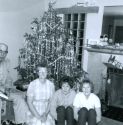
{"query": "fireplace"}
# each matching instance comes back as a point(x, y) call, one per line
point(114, 94)
point(114, 87)
point(106, 72)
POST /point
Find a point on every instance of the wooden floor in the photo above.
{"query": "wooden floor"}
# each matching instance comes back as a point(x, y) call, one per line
point(107, 121)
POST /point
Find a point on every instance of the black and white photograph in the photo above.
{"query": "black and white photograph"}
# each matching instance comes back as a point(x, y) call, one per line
point(61, 62)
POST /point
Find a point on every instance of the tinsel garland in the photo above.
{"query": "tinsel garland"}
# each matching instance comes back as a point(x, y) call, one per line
point(49, 40)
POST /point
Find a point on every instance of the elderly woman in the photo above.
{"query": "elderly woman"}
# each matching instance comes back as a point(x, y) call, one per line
point(39, 94)
point(87, 107)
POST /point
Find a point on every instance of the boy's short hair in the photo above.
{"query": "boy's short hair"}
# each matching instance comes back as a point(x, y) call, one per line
point(88, 81)
point(67, 79)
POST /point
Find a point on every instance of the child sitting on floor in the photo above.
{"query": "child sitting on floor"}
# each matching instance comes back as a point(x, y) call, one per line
point(62, 103)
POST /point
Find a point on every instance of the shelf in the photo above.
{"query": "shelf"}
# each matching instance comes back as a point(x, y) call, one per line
point(105, 50)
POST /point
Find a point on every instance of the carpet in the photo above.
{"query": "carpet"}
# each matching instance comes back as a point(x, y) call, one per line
point(115, 113)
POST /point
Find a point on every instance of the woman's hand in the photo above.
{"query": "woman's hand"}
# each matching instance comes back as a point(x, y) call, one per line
point(43, 117)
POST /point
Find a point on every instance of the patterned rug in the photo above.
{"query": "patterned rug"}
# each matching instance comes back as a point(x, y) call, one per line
point(115, 113)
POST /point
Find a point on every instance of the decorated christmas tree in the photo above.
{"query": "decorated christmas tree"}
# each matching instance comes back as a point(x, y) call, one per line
point(49, 41)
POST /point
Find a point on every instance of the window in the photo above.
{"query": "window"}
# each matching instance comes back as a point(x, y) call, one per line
point(76, 23)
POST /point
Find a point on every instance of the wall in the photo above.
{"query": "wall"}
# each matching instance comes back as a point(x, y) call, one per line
point(13, 25)
point(94, 69)
point(111, 2)
point(62, 3)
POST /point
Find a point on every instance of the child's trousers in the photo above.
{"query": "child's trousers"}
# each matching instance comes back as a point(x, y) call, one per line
point(65, 114)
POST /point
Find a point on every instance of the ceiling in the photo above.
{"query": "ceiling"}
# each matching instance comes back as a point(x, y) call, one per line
point(16, 5)
point(113, 11)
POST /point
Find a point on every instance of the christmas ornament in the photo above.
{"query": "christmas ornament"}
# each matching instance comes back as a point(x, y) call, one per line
point(49, 41)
